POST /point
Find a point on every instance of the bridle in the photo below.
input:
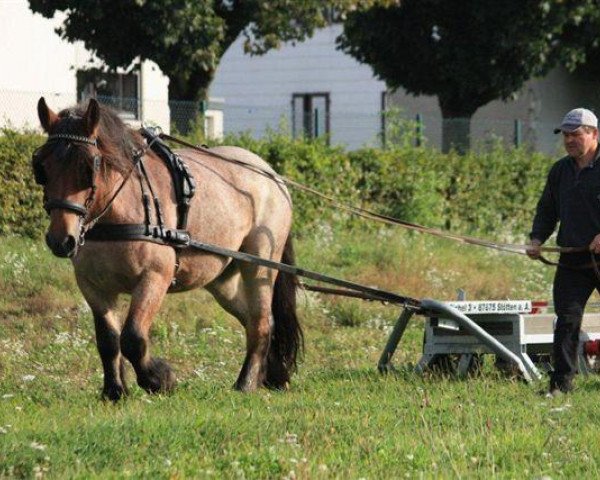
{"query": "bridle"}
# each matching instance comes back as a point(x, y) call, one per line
point(82, 211)
point(41, 178)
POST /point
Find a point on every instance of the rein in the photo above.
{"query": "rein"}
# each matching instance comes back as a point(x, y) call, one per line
point(365, 213)
point(179, 238)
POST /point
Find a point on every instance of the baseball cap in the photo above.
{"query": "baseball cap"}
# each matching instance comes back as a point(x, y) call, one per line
point(576, 118)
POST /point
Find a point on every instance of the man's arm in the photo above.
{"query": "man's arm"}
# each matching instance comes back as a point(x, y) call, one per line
point(595, 245)
point(533, 250)
point(546, 216)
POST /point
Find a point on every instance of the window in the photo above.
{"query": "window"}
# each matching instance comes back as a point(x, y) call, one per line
point(310, 115)
point(119, 91)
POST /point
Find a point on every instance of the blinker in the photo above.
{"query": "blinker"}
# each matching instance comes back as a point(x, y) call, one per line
point(38, 168)
point(39, 173)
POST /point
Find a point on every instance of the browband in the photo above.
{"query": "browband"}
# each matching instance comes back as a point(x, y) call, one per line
point(73, 138)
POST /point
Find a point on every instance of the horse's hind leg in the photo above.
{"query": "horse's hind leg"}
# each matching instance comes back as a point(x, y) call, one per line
point(245, 292)
point(153, 374)
point(108, 331)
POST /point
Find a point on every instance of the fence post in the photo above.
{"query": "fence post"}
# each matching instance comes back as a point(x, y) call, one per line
point(203, 107)
point(518, 136)
point(418, 130)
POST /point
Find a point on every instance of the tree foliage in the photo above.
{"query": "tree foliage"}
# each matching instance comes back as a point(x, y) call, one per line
point(187, 38)
point(467, 52)
point(588, 33)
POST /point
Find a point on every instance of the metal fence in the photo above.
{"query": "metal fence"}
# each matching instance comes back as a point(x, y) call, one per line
point(338, 126)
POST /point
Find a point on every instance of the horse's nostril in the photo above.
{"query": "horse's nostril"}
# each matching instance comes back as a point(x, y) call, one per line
point(66, 248)
point(69, 245)
point(50, 241)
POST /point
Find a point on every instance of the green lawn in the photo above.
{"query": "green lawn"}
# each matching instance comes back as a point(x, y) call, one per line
point(341, 419)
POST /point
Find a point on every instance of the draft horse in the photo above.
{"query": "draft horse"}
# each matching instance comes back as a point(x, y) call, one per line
point(98, 173)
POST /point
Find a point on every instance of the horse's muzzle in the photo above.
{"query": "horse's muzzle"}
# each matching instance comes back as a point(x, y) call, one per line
point(64, 248)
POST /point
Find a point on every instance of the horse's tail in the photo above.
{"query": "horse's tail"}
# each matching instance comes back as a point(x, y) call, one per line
point(287, 341)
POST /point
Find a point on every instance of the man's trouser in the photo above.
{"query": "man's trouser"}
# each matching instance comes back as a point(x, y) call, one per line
point(571, 291)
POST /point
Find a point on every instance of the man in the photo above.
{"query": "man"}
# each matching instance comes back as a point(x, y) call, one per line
point(572, 197)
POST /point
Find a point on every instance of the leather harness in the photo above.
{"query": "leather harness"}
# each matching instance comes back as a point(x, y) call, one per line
point(156, 232)
point(184, 186)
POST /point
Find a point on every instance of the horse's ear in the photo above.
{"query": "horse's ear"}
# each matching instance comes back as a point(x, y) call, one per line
point(47, 117)
point(92, 118)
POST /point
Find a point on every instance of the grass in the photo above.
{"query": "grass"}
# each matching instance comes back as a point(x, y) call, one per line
point(341, 419)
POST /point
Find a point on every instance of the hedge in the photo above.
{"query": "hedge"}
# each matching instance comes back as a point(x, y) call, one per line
point(21, 209)
point(492, 194)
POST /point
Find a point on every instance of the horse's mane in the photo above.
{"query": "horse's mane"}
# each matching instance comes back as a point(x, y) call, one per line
point(116, 141)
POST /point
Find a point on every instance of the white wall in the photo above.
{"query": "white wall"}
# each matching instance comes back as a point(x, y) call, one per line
point(258, 90)
point(540, 106)
point(154, 91)
point(34, 61)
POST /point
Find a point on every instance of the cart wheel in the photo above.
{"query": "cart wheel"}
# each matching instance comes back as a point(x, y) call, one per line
point(475, 365)
point(507, 368)
point(444, 364)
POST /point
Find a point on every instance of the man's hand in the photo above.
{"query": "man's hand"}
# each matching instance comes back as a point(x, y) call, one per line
point(595, 245)
point(533, 250)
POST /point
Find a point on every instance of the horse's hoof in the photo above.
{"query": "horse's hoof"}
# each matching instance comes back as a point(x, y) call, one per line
point(278, 378)
point(245, 386)
point(158, 377)
point(279, 386)
point(114, 393)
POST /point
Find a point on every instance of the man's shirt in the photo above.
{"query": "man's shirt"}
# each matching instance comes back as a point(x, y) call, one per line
point(571, 197)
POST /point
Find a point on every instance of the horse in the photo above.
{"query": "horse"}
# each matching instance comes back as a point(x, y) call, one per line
point(96, 173)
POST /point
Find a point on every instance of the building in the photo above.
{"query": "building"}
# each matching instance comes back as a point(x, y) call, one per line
point(528, 119)
point(36, 62)
point(308, 89)
point(313, 89)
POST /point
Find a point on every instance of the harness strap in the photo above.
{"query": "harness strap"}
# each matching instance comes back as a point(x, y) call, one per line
point(54, 204)
point(130, 232)
point(145, 202)
point(374, 293)
point(183, 181)
point(157, 207)
point(179, 239)
point(73, 138)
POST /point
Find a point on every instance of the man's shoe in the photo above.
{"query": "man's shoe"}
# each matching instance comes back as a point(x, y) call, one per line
point(554, 393)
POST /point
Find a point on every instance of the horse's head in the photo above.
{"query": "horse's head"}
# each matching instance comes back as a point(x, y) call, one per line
point(67, 166)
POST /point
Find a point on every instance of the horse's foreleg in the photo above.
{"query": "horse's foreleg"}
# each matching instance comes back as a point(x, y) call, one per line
point(108, 330)
point(153, 374)
point(107, 341)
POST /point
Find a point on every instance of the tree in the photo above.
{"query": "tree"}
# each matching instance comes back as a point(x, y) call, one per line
point(589, 68)
point(466, 52)
point(187, 38)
